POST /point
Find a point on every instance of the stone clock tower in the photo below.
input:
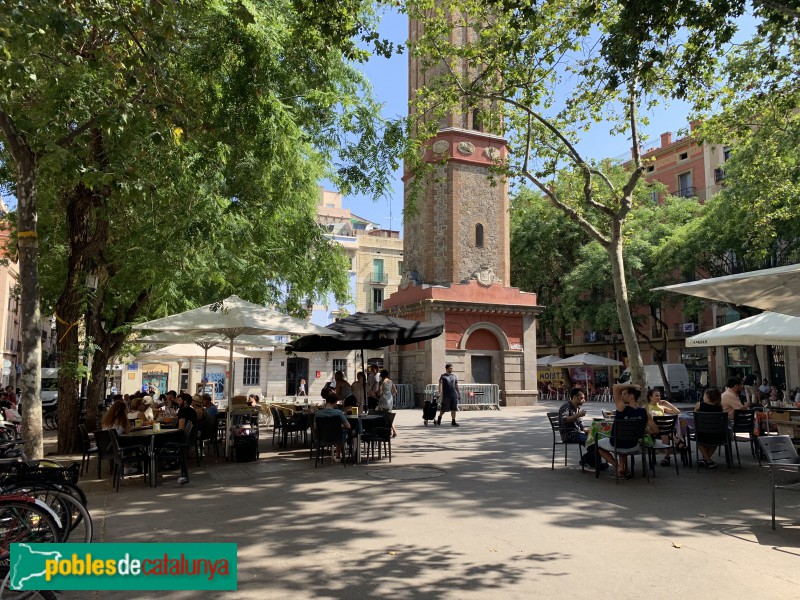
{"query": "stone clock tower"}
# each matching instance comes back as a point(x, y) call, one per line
point(457, 267)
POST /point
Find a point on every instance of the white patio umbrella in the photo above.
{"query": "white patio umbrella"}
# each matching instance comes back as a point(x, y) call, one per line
point(768, 328)
point(188, 352)
point(231, 318)
point(775, 290)
point(547, 361)
point(586, 360)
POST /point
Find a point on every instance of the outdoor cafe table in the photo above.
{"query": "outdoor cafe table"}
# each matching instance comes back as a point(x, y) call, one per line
point(156, 439)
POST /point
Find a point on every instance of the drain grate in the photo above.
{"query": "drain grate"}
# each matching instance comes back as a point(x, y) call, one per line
point(406, 473)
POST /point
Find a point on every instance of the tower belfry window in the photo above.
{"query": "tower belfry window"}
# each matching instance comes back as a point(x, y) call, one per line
point(476, 119)
point(479, 236)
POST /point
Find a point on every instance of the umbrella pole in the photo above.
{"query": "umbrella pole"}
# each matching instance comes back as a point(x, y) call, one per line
point(205, 366)
point(229, 385)
point(364, 371)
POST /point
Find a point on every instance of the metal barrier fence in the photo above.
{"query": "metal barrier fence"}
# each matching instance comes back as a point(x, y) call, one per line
point(473, 395)
point(404, 397)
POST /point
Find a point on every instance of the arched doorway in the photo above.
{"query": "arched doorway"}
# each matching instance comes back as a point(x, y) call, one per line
point(483, 347)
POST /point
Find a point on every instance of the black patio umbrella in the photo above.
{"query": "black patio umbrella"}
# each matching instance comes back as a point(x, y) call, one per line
point(367, 331)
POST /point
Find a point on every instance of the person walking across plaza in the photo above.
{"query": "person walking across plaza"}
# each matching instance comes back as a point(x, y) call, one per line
point(449, 394)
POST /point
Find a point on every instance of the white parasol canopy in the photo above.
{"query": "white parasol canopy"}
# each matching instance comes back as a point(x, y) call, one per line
point(586, 360)
point(768, 328)
point(776, 290)
point(232, 318)
point(188, 352)
point(547, 361)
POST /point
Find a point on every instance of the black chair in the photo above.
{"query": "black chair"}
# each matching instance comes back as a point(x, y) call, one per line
point(711, 429)
point(554, 426)
point(783, 463)
point(744, 420)
point(105, 449)
point(172, 451)
point(626, 441)
point(666, 431)
point(277, 424)
point(328, 433)
point(381, 436)
point(88, 449)
point(127, 454)
point(292, 426)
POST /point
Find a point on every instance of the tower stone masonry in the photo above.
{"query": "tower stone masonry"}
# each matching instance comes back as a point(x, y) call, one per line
point(456, 251)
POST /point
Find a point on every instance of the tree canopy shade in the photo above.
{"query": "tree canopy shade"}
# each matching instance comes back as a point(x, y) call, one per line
point(176, 148)
point(753, 222)
point(547, 72)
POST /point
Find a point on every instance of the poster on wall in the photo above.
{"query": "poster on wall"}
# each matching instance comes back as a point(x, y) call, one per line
point(155, 379)
point(215, 375)
point(583, 374)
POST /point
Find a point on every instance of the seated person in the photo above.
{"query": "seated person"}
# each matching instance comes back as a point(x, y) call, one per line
point(330, 410)
point(626, 400)
point(116, 418)
point(137, 409)
point(571, 427)
point(764, 390)
point(712, 402)
point(656, 407)
point(731, 400)
point(252, 400)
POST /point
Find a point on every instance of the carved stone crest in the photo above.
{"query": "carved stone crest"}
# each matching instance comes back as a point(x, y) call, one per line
point(440, 146)
point(485, 276)
point(492, 153)
point(466, 148)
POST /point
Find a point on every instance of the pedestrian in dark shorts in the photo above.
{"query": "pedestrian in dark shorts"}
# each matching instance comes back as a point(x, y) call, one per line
point(449, 394)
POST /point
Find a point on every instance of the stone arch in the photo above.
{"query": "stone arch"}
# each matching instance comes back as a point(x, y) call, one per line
point(485, 326)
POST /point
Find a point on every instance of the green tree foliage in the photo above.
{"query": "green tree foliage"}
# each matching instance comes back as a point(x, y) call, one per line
point(571, 272)
point(176, 149)
point(753, 222)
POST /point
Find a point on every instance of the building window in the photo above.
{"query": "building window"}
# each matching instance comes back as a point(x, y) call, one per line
point(719, 175)
point(400, 268)
point(726, 153)
point(479, 236)
point(683, 156)
point(654, 196)
point(340, 364)
point(651, 168)
point(476, 119)
point(685, 187)
point(377, 299)
point(378, 275)
point(251, 375)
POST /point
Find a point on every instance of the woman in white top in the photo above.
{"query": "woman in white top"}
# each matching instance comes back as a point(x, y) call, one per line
point(386, 397)
point(116, 418)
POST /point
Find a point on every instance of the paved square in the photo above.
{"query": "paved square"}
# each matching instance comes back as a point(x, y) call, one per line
point(469, 512)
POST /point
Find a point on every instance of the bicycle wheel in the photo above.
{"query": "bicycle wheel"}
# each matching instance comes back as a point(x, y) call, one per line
point(76, 522)
point(23, 520)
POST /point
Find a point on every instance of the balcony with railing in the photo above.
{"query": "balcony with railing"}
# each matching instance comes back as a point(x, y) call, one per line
point(686, 192)
point(378, 277)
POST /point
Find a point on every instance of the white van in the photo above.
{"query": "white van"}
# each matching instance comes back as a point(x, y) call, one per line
point(677, 375)
point(49, 388)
